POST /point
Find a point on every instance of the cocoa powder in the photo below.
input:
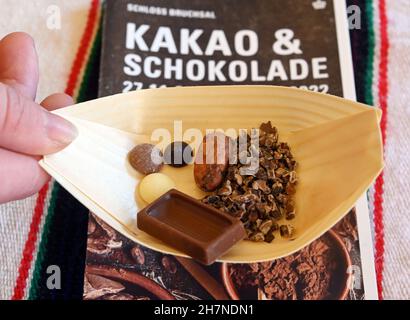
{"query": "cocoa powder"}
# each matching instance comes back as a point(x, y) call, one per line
point(305, 275)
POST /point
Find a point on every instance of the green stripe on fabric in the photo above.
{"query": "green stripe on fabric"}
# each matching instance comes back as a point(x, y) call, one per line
point(368, 79)
point(88, 74)
point(38, 265)
point(82, 96)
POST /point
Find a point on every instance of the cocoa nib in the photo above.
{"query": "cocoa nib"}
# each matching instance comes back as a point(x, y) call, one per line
point(169, 264)
point(286, 231)
point(268, 128)
point(262, 198)
point(138, 255)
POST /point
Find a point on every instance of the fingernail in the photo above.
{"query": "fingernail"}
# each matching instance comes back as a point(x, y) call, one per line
point(60, 130)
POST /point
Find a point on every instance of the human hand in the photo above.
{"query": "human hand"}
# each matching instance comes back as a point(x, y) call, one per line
point(27, 129)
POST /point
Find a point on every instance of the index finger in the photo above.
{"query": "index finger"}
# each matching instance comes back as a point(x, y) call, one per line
point(19, 63)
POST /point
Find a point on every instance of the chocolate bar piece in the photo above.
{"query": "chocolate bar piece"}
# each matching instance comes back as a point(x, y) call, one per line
point(200, 231)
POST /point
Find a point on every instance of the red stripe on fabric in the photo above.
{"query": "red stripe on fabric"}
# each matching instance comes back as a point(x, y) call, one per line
point(29, 247)
point(379, 186)
point(82, 50)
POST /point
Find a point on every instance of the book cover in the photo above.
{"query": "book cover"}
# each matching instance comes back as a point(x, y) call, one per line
point(299, 43)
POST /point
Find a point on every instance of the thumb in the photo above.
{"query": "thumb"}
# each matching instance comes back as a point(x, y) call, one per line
point(26, 127)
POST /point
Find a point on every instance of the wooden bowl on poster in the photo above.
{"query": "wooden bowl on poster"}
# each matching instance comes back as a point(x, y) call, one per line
point(344, 279)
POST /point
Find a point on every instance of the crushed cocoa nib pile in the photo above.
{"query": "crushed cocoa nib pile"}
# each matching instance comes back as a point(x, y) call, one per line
point(263, 199)
point(305, 275)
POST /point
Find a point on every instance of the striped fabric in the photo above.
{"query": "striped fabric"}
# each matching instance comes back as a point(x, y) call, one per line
point(50, 228)
point(21, 277)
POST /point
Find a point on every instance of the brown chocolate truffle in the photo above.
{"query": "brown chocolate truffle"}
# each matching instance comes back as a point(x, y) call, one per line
point(146, 158)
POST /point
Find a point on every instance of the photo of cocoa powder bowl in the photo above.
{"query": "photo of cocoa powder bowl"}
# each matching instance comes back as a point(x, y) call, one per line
point(110, 283)
point(319, 271)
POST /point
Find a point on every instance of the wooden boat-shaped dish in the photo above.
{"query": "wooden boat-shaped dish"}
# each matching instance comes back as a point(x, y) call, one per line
point(336, 142)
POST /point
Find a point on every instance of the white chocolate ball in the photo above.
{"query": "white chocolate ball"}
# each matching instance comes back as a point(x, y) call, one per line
point(155, 185)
